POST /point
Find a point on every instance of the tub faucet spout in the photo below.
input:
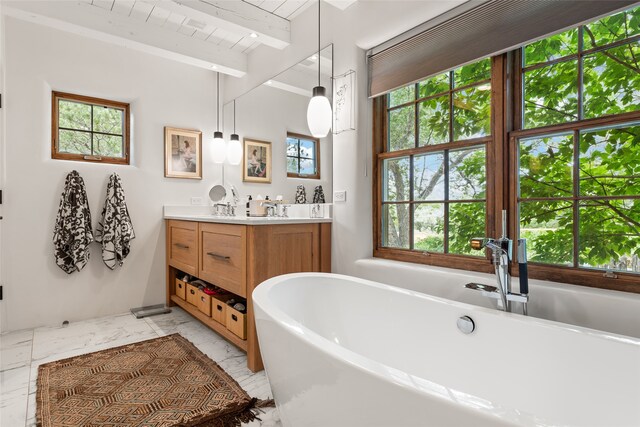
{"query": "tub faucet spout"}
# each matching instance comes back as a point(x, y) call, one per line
point(501, 250)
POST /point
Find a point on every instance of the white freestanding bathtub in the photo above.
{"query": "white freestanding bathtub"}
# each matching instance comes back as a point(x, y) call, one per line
point(342, 351)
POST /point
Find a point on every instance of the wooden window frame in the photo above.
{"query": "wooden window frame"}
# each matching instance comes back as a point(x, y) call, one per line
point(55, 154)
point(317, 158)
point(495, 148)
point(502, 180)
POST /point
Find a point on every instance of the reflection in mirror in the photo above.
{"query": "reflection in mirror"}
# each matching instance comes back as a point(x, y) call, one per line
point(276, 112)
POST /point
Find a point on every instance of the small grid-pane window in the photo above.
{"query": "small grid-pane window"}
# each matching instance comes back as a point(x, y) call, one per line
point(90, 129)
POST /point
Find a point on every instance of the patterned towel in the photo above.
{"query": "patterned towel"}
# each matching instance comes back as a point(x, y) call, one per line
point(72, 232)
point(115, 230)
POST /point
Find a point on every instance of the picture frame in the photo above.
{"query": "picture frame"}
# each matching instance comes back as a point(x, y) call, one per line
point(182, 153)
point(256, 161)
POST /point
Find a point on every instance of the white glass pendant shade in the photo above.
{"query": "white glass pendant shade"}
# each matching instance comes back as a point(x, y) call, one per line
point(319, 113)
point(218, 148)
point(234, 150)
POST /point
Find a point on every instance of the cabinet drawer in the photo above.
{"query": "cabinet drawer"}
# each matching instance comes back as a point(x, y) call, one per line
point(237, 322)
point(223, 256)
point(204, 303)
point(182, 245)
point(219, 309)
point(181, 289)
point(192, 294)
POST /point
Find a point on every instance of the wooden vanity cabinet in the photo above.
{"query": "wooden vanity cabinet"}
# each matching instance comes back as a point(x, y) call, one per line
point(237, 258)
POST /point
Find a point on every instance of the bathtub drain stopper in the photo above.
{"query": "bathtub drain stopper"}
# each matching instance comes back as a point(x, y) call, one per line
point(466, 324)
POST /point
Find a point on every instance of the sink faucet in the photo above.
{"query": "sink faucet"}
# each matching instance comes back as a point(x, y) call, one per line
point(275, 209)
point(501, 250)
point(271, 208)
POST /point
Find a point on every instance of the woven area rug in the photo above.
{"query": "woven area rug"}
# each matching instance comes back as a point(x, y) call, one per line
point(156, 383)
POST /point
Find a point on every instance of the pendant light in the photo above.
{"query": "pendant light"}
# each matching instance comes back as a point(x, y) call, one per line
point(319, 109)
point(234, 149)
point(218, 148)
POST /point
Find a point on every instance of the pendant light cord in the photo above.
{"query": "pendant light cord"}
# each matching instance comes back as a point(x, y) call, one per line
point(218, 104)
point(234, 116)
point(319, 1)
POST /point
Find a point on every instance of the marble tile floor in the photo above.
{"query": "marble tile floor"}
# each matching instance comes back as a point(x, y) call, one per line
point(22, 352)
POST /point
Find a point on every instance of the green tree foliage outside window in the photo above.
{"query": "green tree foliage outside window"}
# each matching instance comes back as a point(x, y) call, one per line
point(88, 129)
point(588, 175)
point(438, 197)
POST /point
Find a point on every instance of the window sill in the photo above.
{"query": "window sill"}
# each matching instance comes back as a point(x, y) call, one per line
point(460, 262)
point(625, 282)
point(90, 159)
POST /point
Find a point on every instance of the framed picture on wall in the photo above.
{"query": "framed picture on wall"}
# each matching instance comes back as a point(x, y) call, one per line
point(182, 153)
point(256, 162)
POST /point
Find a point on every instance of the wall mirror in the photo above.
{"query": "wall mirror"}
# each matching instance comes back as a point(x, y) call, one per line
point(271, 121)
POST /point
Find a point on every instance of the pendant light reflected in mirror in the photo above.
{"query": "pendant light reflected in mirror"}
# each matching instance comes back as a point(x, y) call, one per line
point(319, 109)
point(234, 149)
point(218, 147)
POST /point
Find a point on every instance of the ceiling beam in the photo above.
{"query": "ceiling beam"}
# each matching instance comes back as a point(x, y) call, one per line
point(94, 22)
point(236, 16)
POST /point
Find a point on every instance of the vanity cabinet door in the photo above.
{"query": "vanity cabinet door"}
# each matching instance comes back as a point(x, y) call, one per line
point(223, 256)
point(182, 245)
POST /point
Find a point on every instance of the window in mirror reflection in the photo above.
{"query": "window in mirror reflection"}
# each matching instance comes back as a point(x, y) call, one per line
point(303, 156)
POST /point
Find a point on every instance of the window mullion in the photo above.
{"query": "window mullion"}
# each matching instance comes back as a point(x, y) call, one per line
point(416, 118)
point(92, 152)
point(580, 71)
point(411, 200)
point(446, 203)
point(576, 195)
point(451, 106)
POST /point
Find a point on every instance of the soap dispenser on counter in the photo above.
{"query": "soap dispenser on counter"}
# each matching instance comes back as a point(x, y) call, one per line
point(249, 205)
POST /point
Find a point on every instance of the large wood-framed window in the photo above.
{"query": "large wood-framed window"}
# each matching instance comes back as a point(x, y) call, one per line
point(562, 155)
point(432, 184)
point(89, 129)
point(575, 153)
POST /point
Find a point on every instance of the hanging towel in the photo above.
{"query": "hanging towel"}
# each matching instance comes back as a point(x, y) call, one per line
point(72, 232)
point(115, 230)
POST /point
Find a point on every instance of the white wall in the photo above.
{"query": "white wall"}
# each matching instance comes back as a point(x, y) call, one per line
point(267, 114)
point(161, 92)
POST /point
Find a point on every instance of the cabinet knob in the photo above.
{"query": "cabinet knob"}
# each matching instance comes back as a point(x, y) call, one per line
point(193, 292)
point(181, 246)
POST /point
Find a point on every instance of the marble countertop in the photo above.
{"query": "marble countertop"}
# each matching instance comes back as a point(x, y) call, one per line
point(298, 214)
point(246, 220)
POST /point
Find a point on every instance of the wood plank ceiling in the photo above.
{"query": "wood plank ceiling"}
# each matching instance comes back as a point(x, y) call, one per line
point(214, 34)
point(156, 14)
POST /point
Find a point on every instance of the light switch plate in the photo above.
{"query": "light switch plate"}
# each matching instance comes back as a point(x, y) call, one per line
point(340, 196)
point(196, 200)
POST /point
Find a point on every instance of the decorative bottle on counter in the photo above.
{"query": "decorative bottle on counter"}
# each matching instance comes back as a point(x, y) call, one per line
point(318, 195)
point(301, 195)
point(248, 203)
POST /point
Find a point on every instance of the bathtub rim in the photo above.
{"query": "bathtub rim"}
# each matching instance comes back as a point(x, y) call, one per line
point(403, 379)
